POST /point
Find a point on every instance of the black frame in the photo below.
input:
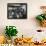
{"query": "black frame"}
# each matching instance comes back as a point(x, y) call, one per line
point(13, 5)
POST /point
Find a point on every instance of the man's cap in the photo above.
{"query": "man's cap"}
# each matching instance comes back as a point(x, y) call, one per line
point(42, 7)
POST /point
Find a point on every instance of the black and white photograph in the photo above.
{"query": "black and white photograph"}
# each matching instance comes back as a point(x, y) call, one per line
point(17, 10)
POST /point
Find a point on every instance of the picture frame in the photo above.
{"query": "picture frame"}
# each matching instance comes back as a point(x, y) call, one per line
point(17, 10)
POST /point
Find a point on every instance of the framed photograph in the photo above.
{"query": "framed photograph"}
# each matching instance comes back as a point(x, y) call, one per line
point(17, 10)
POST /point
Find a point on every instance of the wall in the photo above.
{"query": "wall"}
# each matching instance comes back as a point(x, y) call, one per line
point(27, 26)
